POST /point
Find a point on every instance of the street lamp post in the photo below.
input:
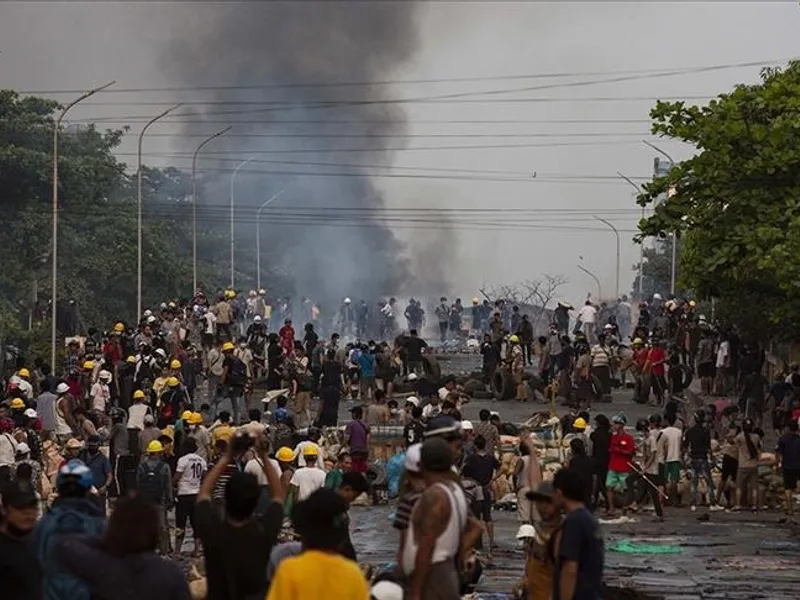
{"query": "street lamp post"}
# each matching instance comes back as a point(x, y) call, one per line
point(139, 208)
point(194, 204)
point(258, 234)
point(596, 280)
point(616, 234)
point(674, 233)
point(233, 183)
point(57, 125)
point(641, 245)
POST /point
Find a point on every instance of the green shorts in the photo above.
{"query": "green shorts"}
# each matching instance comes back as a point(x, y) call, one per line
point(616, 481)
point(672, 471)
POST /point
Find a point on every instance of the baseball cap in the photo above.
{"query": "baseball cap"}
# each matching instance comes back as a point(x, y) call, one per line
point(412, 400)
point(526, 531)
point(30, 413)
point(442, 426)
point(23, 448)
point(413, 457)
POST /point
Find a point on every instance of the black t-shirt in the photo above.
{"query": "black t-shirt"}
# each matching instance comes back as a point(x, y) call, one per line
point(789, 449)
point(601, 441)
point(581, 542)
point(414, 346)
point(331, 374)
point(698, 438)
point(480, 468)
point(19, 570)
point(412, 433)
point(584, 465)
point(236, 558)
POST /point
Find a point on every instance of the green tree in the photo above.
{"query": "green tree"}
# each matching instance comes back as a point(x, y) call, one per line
point(734, 203)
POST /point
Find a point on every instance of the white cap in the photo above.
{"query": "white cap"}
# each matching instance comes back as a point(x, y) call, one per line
point(104, 375)
point(30, 413)
point(386, 590)
point(526, 531)
point(412, 400)
point(656, 296)
point(412, 377)
point(257, 319)
point(62, 388)
point(151, 319)
point(608, 326)
point(23, 448)
point(347, 300)
point(413, 458)
point(467, 426)
point(161, 352)
point(148, 313)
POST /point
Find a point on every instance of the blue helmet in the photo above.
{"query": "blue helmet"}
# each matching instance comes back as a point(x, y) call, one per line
point(75, 470)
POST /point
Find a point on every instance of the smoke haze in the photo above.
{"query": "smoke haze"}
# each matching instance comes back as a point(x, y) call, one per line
point(329, 253)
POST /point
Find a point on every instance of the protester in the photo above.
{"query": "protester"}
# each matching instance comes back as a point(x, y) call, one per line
point(319, 572)
point(482, 467)
point(20, 570)
point(351, 487)
point(308, 478)
point(237, 544)
point(187, 479)
point(154, 484)
point(789, 462)
point(123, 562)
point(539, 567)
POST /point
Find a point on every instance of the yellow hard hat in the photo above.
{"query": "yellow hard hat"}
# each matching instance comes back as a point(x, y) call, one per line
point(285, 454)
point(228, 346)
point(638, 342)
point(88, 365)
point(173, 382)
point(692, 303)
point(119, 327)
point(186, 415)
point(168, 431)
point(514, 339)
point(310, 451)
point(138, 394)
point(579, 423)
point(230, 294)
point(195, 419)
point(155, 447)
point(131, 359)
point(175, 364)
point(23, 372)
point(17, 403)
point(476, 300)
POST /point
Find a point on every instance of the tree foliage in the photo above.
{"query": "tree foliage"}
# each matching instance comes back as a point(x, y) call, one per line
point(734, 203)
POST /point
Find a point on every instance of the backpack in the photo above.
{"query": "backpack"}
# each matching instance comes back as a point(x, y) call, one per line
point(149, 481)
point(62, 521)
point(237, 372)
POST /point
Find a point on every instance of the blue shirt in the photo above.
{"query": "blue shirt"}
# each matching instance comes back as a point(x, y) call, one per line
point(100, 467)
point(367, 364)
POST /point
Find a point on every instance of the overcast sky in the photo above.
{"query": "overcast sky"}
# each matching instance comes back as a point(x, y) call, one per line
point(75, 45)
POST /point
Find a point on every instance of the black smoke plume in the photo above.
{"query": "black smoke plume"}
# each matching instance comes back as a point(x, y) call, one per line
point(305, 49)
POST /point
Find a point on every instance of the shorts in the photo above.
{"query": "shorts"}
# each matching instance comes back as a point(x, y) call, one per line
point(657, 479)
point(730, 466)
point(483, 508)
point(616, 481)
point(747, 476)
point(184, 511)
point(706, 370)
point(790, 478)
point(672, 471)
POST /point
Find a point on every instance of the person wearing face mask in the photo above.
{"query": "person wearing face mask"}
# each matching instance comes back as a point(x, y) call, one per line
point(20, 570)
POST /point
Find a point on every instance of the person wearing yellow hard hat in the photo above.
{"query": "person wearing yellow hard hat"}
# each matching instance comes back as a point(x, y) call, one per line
point(154, 484)
point(199, 432)
point(23, 381)
point(309, 477)
point(17, 414)
point(170, 401)
point(234, 381)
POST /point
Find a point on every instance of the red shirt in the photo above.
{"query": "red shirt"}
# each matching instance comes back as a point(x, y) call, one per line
point(621, 451)
point(640, 356)
point(657, 354)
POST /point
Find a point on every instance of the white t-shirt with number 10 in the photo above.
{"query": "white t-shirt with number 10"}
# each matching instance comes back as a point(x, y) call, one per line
point(190, 468)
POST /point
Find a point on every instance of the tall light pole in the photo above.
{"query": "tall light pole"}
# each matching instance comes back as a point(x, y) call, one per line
point(258, 234)
point(593, 276)
point(616, 234)
point(641, 245)
point(674, 233)
point(139, 208)
point(233, 182)
point(194, 204)
point(57, 125)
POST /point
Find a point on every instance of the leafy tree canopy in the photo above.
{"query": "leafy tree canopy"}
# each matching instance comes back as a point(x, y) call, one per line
point(735, 201)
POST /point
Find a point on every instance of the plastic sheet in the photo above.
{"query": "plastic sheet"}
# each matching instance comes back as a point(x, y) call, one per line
point(630, 547)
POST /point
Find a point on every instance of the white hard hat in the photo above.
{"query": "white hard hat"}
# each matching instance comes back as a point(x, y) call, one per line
point(413, 458)
point(105, 375)
point(161, 352)
point(387, 590)
point(257, 319)
point(412, 400)
point(23, 448)
point(347, 300)
point(526, 531)
point(608, 326)
point(148, 313)
point(656, 296)
point(163, 305)
point(467, 426)
point(412, 377)
point(262, 291)
point(30, 413)
point(151, 319)
point(494, 413)
point(62, 388)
